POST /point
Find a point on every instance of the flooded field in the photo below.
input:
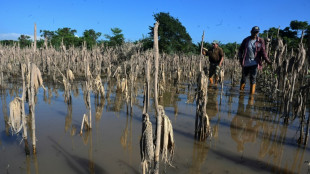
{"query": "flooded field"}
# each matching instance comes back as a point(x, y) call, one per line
point(248, 136)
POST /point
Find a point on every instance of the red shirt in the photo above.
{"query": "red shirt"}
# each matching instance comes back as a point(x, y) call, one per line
point(260, 51)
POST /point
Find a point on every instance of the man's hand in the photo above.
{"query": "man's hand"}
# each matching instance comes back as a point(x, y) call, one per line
point(222, 59)
point(204, 51)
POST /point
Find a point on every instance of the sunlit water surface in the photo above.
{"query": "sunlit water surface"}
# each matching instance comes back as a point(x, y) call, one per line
point(248, 135)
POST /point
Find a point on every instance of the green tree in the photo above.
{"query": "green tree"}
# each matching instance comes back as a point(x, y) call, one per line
point(299, 25)
point(271, 32)
point(172, 35)
point(47, 34)
point(205, 45)
point(40, 43)
point(289, 37)
point(8, 42)
point(230, 49)
point(147, 42)
point(307, 37)
point(308, 31)
point(24, 41)
point(288, 34)
point(67, 35)
point(116, 39)
point(90, 36)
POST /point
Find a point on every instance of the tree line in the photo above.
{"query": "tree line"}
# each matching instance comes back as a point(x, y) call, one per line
point(173, 37)
point(67, 37)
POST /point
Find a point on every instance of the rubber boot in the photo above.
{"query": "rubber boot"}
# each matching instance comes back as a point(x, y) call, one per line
point(216, 80)
point(253, 88)
point(251, 100)
point(211, 80)
point(242, 86)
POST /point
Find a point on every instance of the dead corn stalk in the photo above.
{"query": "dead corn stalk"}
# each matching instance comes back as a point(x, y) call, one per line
point(202, 124)
point(159, 119)
point(146, 141)
point(87, 118)
point(166, 137)
point(146, 144)
point(35, 82)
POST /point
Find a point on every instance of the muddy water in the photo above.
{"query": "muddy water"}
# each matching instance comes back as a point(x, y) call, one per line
point(248, 136)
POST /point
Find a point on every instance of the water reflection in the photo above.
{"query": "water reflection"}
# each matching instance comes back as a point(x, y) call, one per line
point(32, 160)
point(14, 90)
point(251, 126)
point(99, 105)
point(170, 98)
point(75, 89)
point(91, 163)
point(241, 125)
point(68, 120)
point(108, 95)
point(5, 111)
point(126, 138)
point(299, 160)
point(27, 150)
point(273, 141)
point(28, 163)
point(244, 127)
point(230, 101)
point(118, 102)
point(55, 90)
point(50, 95)
point(200, 152)
point(212, 105)
point(190, 94)
point(77, 163)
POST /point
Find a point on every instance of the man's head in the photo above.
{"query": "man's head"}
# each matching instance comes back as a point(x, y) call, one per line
point(254, 31)
point(215, 43)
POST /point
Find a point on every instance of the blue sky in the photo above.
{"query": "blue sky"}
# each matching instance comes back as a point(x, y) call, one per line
point(224, 20)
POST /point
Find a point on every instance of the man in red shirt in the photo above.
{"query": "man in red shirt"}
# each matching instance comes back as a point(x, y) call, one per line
point(251, 53)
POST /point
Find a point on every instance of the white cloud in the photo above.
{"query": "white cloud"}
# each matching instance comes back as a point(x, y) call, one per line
point(15, 36)
point(9, 36)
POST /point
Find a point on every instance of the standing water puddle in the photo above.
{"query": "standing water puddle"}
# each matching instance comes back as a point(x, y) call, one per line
point(248, 136)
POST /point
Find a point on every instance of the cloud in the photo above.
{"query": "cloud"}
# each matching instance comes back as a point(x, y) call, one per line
point(15, 36)
point(9, 36)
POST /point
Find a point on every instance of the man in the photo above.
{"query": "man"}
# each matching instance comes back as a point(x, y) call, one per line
point(251, 52)
point(216, 57)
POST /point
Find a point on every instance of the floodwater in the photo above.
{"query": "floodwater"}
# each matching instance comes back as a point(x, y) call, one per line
point(248, 135)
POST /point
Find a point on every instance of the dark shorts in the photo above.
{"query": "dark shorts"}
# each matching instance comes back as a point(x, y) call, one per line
point(250, 70)
point(214, 70)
